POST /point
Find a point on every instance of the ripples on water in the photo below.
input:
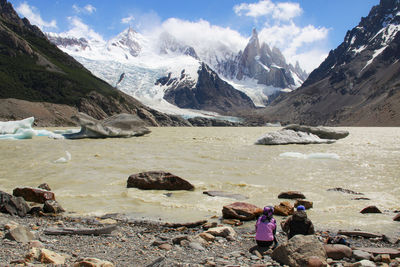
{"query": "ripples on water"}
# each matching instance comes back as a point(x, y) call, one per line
point(94, 180)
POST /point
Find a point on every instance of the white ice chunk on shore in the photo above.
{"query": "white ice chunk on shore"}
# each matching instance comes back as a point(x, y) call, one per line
point(22, 129)
point(309, 156)
point(11, 127)
point(65, 159)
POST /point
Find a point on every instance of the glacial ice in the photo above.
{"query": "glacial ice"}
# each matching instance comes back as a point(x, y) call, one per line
point(22, 129)
point(309, 156)
point(64, 159)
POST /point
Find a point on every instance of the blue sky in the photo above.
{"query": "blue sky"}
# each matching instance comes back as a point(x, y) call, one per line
point(304, 30)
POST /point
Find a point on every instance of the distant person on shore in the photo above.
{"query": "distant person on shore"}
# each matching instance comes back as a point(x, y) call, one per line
point(266, 229)
point(298, 223)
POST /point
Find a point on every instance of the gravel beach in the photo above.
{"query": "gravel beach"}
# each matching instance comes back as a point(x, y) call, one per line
point(144, 243)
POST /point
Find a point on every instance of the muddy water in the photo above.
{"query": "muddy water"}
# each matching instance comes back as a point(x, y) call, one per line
point(94, 180)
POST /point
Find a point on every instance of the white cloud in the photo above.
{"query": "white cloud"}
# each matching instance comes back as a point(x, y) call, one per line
point(127, 20)
point(78, 29)
point(33, 15)
point(89, 9)
point(282, 11)
point(205, 37)
point(295, 42)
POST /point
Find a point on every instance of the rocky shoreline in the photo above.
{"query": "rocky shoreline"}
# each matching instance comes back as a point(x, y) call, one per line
point(149, 243)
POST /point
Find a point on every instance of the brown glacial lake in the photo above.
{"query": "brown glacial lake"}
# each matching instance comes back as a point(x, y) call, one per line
point(93, 182)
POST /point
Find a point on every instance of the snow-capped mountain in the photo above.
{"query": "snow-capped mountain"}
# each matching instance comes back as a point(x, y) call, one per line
point(137, 64)
point(359, 82)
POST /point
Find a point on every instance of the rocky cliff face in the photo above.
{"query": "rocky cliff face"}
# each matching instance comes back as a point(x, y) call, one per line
point(34, 70)
point(358, 83)
point(266, 66)
point(208, 92)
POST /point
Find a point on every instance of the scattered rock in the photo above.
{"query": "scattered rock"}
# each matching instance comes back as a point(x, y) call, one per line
point(234, 222)
point(13, 205)
point(291, 195)
point(48, 256)
point(297, 251)
point(286, 137)
point(33, 194)
point(20, 234)
point(225, 194)
point(307, 204)
point(315, 262)
point(207, 237)
point(321, 132)
point(158, 180)
point(394, 253)
point(196, 246)
point(364, 263)
point(362, 255)
point(120, 125)
point(178, 239)
point(283, 209)
point(52, 206)
point(165, 246)
point(209, 225)
point(338, 251)
point(223, 231)
point(370, 209)
point(44, 186)
point(242, 211)
point(92, 262)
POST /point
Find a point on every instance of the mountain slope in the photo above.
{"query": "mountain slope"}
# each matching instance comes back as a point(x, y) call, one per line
point(33, 69)
point(358, 83)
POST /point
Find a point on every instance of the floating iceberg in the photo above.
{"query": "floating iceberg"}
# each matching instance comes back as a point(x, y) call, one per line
point(22, 129)
point(309, 156)
point(64, 159)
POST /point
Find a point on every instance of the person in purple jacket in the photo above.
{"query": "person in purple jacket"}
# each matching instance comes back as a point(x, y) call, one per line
point(266, 228)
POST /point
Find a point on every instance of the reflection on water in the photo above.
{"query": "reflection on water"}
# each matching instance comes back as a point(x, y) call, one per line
point(94, 180)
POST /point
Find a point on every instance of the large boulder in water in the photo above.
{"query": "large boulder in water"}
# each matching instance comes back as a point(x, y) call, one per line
point(13, 205)
point(120, 125)
point(298, 250)
point(158, 180)
point(287, 137)
point(291, 195)
point(321, 132)
point(242, 211)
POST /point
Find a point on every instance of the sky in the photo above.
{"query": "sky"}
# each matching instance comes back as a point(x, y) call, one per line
point(305, 31)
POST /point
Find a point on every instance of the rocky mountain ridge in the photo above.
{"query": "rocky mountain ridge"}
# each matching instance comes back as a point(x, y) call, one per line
point(358, 83)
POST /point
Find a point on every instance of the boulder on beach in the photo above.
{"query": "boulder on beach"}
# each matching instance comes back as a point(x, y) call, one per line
point(319, 131)
point(298, 250)
point(225, 194)
point(287, 137)
point(13, 205)
point(292, 195)
point(284, 209)
point(32, 194)
point(158, 180)
point(120, 125)
point(307, 204)
point(242, 211)
point(338, 251)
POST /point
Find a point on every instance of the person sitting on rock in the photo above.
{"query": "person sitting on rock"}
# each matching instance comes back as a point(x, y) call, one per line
point(298, 223)
point(266, 228)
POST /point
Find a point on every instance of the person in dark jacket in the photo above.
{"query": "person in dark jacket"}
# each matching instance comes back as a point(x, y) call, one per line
point(298, 223)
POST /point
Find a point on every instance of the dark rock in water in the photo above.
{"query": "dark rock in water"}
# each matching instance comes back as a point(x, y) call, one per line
point(347, 191)
point(225, 194)
point(158, 180)
point(52, 206)
point(292, 195)
point(297, 251)
point(397, 217)
point(360, 198)
point(370, 209)
point(13, 205)
point(307, 204)
point(242, 211)
point(283, 209)
point(33, 194)
point(44, 186)
point(120, 125)
point(20, 234)
point(321, 132)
